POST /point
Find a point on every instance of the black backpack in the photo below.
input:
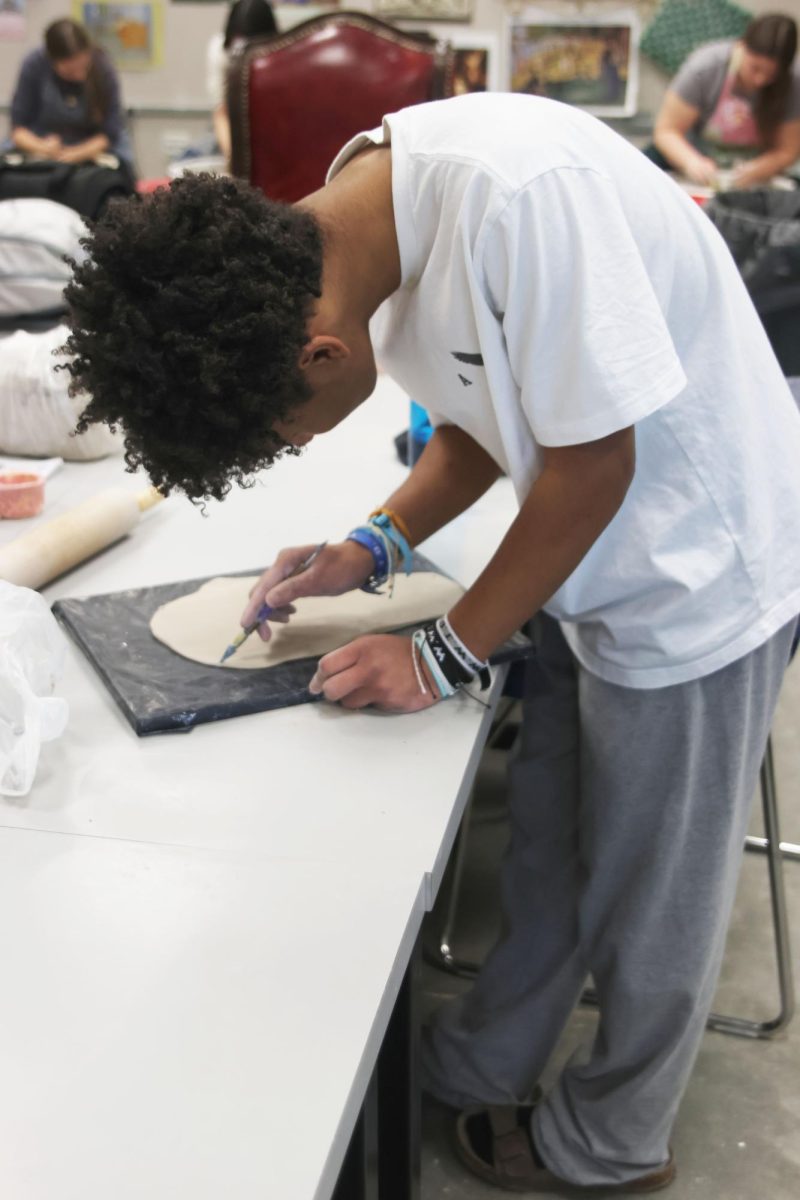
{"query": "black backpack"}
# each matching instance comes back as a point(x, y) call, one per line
point(84, 187)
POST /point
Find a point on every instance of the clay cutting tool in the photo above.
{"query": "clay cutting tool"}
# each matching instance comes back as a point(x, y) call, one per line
point(266, 610)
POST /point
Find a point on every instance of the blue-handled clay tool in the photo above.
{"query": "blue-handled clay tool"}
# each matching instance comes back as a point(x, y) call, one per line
point(265, 611)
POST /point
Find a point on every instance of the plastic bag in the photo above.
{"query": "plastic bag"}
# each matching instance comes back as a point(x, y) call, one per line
point(762, 229)
point(32, 649)
point(86, 187)
point(37, 415)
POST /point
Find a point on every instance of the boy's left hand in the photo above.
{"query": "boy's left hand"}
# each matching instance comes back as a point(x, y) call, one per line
point(374, 670)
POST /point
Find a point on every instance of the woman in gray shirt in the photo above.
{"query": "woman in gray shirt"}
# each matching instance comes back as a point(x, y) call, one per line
point(740, 99)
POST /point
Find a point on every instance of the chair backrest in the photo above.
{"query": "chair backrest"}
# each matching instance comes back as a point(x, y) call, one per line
point(295, 98)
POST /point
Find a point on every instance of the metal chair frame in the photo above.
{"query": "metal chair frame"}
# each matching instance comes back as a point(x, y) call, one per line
point(771, 845)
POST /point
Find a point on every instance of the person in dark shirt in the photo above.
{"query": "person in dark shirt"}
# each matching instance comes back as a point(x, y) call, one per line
point(66, 104)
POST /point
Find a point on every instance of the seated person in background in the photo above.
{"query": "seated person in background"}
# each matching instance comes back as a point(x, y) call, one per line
point(246, 19)
point(742, 98)
point(66, 104)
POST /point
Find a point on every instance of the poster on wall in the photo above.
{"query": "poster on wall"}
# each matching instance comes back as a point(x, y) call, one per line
point(129, 33)
point(423, 10)
point(289, 13)
point(582, 57)
point(476, 65)
point(12, 20)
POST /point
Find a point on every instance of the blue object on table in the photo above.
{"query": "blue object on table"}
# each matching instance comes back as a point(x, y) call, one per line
point(419, 432)
point(421, 428)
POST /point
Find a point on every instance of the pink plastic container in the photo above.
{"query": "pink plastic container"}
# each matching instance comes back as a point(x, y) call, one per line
point(21, 495)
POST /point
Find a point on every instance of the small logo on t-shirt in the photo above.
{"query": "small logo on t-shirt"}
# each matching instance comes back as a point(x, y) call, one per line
point(472, 360)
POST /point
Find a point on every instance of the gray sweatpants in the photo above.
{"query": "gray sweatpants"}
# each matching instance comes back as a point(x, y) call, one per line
point(628, 812)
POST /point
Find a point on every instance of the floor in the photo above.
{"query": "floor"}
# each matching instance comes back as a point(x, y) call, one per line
point(738, 1132)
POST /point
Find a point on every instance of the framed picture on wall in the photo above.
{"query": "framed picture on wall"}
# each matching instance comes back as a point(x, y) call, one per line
point(12, 20)
point(586, 57)
point(129, 33)
point(423, 10)
point(309, 8)
point(289, 13)
point(477, 62)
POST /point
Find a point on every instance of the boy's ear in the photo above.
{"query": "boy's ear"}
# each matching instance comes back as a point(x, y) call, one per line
point(322, 348)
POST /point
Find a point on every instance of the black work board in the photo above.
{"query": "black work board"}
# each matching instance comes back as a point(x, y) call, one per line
point(159, 691)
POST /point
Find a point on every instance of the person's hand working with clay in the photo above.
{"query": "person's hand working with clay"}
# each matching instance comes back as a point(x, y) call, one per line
point(338, 569)
point(577, 493)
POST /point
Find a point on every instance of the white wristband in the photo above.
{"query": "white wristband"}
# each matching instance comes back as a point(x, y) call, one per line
point(457, 647)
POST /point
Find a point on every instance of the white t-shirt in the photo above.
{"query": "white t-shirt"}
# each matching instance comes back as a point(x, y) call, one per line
point(557, 287)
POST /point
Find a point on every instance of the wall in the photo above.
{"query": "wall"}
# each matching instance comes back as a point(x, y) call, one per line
point(169, 104)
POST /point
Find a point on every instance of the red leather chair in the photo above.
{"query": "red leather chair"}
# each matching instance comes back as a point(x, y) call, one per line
point(295, 98)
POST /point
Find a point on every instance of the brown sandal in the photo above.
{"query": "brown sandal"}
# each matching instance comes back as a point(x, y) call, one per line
point(513, 1165)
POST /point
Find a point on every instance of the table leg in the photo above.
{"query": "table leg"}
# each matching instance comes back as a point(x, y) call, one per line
point(358, 1178)
point(399, 1136)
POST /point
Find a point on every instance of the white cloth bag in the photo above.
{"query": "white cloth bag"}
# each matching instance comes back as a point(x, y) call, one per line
point(37, 415)
point(35, 236)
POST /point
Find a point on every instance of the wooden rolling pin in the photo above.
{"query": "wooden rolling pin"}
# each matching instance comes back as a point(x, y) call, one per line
point(35, 558)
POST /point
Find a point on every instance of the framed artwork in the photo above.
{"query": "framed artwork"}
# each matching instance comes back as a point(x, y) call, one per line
point(289, 13)
point(477, 62)
point(12, 20)
point(423, 10)
point(131, 34)
point(586, 57)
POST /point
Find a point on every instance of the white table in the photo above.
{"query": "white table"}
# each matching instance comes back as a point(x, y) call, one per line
point(184, 1025)
point(297, 782)
point(276, 816)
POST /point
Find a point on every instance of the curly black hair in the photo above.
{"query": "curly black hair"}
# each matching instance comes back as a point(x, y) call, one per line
point(188, 318)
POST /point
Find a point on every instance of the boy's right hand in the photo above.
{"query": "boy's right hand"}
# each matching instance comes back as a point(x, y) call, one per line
point(338, 568)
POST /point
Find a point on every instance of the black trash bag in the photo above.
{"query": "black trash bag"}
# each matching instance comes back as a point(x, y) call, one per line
point(84, 187)
point(762, 230)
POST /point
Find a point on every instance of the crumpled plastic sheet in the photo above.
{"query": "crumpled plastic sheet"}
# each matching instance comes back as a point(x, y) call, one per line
point(32, 651)
point(159, 691)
